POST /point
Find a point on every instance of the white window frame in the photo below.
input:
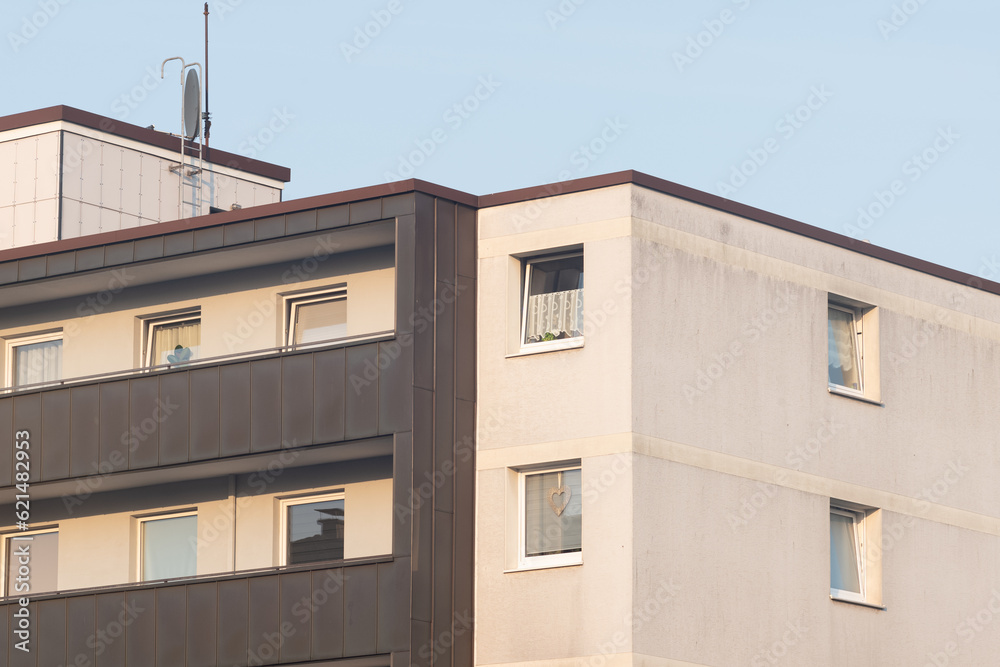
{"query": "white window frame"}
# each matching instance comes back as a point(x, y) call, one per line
point(858, 517)
point(285, 503)
point(293, 301)
point(141, 536)
point(26, 340)
point(5, 545)
point(857, 318)
point(576, 341)
point(525, 562)
point(150, 325)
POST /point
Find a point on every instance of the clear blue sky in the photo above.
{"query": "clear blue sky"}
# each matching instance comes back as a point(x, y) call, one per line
point(810, 110)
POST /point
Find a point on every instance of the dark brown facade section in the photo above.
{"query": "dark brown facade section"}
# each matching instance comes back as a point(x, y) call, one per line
point(245, 407)
point(265, 618)
point(415, 606)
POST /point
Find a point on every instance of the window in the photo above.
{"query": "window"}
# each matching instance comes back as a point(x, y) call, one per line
point(31, 562)
point(852, 349)
point(168, 546)
point(845, 344)
point(34, 359)
point(312, 529)
point(551, 517)
point(847, 548)
point(552, 308)
point(316, 317)
point(173, 340)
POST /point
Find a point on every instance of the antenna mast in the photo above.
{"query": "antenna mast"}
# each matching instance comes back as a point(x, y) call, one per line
point(206, 116)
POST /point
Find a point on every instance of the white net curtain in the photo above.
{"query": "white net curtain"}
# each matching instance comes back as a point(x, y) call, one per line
point(175, 342)
point(38, 362)
point(554, 300)
point(843, 350)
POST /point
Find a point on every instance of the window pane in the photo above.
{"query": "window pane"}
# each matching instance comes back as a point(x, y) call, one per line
point(42, 556)
point(319, 320)
point(175, 343)
point(169, 548)
point(38, 362)
point(842, 339)
point(845, 572)
point(316, 531)
point(553, 513)
point(554, 300)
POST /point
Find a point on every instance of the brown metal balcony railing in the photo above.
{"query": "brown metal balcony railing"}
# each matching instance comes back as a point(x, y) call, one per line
point(209, 411)
point(324, 612)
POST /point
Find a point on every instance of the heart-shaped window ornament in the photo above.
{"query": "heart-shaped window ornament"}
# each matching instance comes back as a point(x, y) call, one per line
point(564, 494)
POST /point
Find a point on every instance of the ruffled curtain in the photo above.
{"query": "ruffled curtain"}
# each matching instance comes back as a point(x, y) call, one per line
point(843, 353)
point(559, 314)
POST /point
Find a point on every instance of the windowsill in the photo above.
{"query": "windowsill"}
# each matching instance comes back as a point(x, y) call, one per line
point(543, 566)
point(847, 393)
point(550, 346)
point(870, 605)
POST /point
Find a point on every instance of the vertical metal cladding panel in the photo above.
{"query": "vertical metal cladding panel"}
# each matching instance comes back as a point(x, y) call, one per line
point(202, 630)
point(443, 568)
point(114, 426)
point(360, 609)
point(112, 614)
point(446, 240)
point(402, 493)
point(297, 400)
point(6, 441)
point(422, 535)
point(264, 627)
point(327, 614)
point(81, 631)
point(49, 636)
point(17, 657)
point(140, 638)
point(174, 417)
point(234, 393)
point(85, 428)
point(394, 385)
point(405, 241)
point(444, 403)
point(465, 340)
point(466, 242)
point(28, 417)
point(424, 248)
point(144, 429)
point(265, 405)
point(5, 628)
point(171, 625)
point(362, 391)
point(422, 646)
point(56, 434)
point(394, 605)
point(464, 539)
point(233, 618)
point(205, 409)
point(329, 384)
point(295, 621)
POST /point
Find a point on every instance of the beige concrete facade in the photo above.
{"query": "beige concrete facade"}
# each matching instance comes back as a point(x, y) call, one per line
point(711, 446)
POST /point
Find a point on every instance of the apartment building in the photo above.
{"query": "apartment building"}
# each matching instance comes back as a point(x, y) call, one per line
point(745, 441)
point(394, 425)
point(241, 436)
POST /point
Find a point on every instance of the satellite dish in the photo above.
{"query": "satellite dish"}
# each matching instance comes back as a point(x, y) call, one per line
point(192, 105)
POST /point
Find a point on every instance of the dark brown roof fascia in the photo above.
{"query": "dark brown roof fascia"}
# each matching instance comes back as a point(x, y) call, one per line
point(239, 215)
point(742, 210)
point(142, 134)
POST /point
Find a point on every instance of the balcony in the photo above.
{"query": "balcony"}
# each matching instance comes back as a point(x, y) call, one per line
point(355, 612)
point(196, 415)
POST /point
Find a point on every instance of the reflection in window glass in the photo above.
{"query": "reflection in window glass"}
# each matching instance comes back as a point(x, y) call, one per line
point(315, 531)
point(42, 555)
point(553, 513)
point(169, 547)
